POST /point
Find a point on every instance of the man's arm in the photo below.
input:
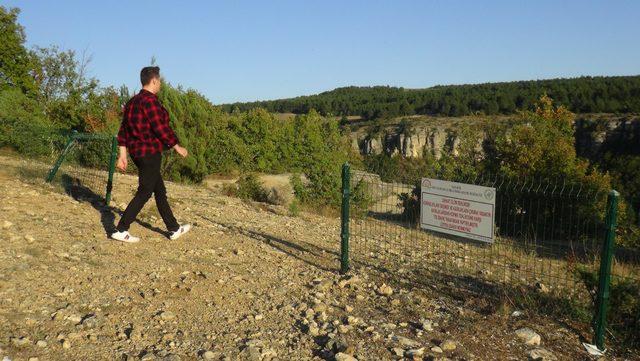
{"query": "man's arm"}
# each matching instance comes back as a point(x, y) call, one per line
point(122, 134)
point(122, 145)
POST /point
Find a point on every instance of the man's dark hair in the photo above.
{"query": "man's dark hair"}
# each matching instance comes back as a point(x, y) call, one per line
point(149, 72)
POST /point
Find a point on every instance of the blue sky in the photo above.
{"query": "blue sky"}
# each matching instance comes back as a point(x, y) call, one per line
point(249, 50)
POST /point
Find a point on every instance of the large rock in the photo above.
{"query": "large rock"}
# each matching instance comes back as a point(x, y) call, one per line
point(385, 290)
point(541, 354)
point(412, 143)
point(528, 336)
point(591, 139)
point(405, 342)
point(448, 345)
point(209, 355)
point(371, 146)
point(344, 357)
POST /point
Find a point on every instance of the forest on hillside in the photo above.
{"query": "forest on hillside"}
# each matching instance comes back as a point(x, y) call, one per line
point(619, 94)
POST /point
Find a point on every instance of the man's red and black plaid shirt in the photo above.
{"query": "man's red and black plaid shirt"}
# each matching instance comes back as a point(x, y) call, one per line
point(145, 126)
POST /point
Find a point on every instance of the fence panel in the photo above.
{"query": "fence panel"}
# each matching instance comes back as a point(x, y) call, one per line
point(548, 241)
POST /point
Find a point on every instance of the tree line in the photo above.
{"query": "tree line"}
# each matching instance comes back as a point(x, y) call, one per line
point(619, 94)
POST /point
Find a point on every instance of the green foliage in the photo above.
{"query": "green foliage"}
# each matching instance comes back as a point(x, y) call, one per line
point(320, 152)
point(539, 145)
point(64, 89)
point(294, 208)
point(536, 146)
point(624, 306)
point(15, 105)
point(255, 141)
point(625, 173)
point(580, 95)
point(249, 187)
point(396, 168)
point(15, 60)
point(94, 152)
point(24, 127)
point(360, 199)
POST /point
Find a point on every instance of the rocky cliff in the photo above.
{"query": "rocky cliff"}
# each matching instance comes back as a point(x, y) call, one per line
point(595, 134)
point(598, 135)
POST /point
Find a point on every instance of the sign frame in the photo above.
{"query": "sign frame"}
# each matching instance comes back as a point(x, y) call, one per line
point(459, 204)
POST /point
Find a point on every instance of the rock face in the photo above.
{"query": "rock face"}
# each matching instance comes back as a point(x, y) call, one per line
point(414, 144)
point(594, 136)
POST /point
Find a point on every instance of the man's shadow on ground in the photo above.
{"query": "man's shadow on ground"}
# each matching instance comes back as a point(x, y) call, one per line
point(81, 193)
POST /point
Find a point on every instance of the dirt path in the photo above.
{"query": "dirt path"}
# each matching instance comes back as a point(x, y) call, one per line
point(248, 283)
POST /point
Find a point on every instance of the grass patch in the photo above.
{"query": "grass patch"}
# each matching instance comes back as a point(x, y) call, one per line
point(294, 208)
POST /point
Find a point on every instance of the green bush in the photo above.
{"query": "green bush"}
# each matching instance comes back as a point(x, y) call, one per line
point(294, 208)
point(24, 127)
point(361, 199)
point(249, 187)
point(623, 318)
point(93, 153)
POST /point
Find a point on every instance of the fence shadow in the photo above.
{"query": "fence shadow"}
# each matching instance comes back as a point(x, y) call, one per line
point(487, 297)
point(289, 247)
point(466, 287)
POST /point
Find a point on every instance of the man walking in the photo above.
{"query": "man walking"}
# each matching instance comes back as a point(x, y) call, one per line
point(145, 133)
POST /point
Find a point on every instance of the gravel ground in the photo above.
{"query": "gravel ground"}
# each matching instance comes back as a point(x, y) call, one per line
point(249, 282)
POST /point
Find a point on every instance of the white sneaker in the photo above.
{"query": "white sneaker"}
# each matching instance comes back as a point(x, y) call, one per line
point(182, 230)
point(124, 237)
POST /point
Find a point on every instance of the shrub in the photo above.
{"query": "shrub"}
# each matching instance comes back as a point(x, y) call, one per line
point(294, 208)
point(624, 306)
point(249, 187)
point(361, 199)
point(24, 128)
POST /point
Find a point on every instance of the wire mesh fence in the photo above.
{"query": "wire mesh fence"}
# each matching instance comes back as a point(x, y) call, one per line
point(87, 166)
point(75, 162)
point(548, 240)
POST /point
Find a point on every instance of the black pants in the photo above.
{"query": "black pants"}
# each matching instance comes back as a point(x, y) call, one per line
point(149, 181)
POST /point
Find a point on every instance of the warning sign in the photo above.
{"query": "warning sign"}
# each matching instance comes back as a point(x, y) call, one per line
point(460, 209)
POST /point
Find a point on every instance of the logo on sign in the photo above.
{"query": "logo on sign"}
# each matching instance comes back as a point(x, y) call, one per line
point(488, 194)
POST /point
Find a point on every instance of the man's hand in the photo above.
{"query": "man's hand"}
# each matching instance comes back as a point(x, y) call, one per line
point(122, 162)
point(180, 150)
point(122, 159)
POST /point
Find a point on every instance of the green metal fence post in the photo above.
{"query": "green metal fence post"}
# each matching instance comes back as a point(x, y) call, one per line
point(344, 234)
point(112, 167)
point(58, 163)
point(602, 301)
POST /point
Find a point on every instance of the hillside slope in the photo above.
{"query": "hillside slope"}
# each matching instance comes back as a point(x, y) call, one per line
point(249, 283)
